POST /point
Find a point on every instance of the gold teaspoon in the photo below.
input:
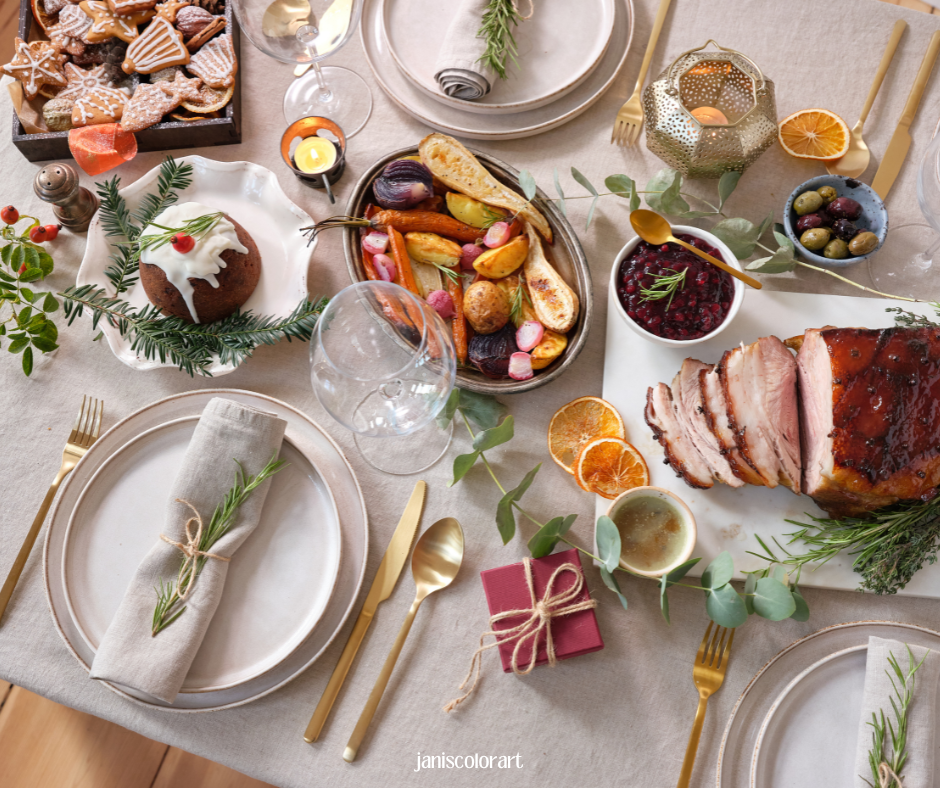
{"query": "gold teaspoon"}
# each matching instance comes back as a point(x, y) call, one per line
point(434, 564)
point(654, 229)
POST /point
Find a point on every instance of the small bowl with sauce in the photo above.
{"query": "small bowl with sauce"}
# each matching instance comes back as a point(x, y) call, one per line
point(657, 530)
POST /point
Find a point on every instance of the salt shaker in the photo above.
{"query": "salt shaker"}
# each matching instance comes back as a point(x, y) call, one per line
point(73, 205)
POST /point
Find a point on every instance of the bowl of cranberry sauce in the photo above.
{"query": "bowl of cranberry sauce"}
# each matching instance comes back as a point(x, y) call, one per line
point(670, 295)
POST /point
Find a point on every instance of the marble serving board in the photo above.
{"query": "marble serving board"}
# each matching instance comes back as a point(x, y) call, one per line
point(729, 519)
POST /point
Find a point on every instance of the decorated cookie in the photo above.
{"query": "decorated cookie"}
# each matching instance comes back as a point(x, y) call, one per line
point(106, 24)
point(70, 32)
point(170, 9)
point(151, 101)
point(104, 105)
point(52, 7)
point(216, 26)
point(216, 63)
point(57, 113)
point(82, 81)
point(130, 7)
point(159, 46)
point(35, 65)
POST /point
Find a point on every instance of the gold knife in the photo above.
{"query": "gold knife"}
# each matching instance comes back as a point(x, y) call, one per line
point(901, 140)
point(385, 579)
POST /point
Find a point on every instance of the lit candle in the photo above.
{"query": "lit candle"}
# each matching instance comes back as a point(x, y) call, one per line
point(314, 154)
point(709, 116)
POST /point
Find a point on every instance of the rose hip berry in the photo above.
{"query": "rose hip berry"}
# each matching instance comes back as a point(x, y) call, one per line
point(182, 243)
point(697, 308)
point(38, 234)
point(52, 231)
point(9, 215)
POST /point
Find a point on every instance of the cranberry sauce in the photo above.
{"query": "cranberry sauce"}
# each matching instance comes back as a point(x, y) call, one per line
point(699, 305)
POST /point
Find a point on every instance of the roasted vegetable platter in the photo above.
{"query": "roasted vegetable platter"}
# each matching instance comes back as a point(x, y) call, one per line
point(439, 238)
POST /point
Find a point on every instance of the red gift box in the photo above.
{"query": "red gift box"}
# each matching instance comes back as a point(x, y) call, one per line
point(572, 633)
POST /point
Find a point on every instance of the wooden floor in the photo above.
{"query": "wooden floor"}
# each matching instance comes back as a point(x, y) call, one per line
point(44, 745)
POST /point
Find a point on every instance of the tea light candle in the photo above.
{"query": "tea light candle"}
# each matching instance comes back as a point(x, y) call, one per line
point(709, 116)
point(314, 154)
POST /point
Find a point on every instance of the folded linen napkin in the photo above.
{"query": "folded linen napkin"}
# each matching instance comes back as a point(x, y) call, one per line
point(129, 655)
point(458, 71)
point(919, 770)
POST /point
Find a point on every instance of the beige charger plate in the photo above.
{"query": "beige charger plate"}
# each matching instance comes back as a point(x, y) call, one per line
point(302, 435)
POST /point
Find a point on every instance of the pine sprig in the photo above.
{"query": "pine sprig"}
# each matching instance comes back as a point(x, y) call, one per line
point(499, 19)
point(174, 177)
point(168, 594)
point(191, 347)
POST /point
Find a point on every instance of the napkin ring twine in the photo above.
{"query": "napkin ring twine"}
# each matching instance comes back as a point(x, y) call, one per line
point(887, 777)
point(190, 548)
point(539, 620)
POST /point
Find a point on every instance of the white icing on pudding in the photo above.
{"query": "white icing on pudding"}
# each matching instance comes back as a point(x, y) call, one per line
point(203, 261)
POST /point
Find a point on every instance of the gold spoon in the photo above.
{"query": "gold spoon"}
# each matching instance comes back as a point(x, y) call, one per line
point(434, 564)
point(653, 229)
point(856, 159)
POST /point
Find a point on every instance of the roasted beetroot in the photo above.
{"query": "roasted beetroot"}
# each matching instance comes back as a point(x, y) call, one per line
point(490, 353)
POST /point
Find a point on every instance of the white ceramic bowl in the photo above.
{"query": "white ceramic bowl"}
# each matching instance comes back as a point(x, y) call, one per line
point(688, 521)
point(677, 230)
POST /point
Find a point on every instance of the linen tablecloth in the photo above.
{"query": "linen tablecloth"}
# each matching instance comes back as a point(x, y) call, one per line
point(618, 716)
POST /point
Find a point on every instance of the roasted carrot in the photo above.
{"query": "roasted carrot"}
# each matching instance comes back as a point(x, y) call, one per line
point(404, 276)
point(459, 321)
point(425, 222)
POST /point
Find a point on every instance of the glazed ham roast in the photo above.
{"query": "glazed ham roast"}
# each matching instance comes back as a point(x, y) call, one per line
point(853, 420)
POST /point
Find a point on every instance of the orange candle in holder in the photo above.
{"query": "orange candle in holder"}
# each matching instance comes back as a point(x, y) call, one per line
point(709, 116)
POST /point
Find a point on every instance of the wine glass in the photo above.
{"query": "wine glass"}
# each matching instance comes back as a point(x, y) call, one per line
point(915, 244)
point(306, 32)
point(383, 365)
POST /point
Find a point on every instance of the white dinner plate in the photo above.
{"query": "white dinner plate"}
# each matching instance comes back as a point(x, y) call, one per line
point(797, 721)
point(278, 584)
point(557, 51)
point(251, 195)
point(473, 125)
point(322, 472)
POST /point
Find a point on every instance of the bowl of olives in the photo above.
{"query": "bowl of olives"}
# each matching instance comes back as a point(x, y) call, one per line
point(835, 221)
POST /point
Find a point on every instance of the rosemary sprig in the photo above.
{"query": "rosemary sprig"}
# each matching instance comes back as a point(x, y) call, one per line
point(198, 228)
point(664, 286)
point(902, 682)
point(499, 19)
point(167, 609)
point(519, 297)
point(188, 345)
point(451, 273)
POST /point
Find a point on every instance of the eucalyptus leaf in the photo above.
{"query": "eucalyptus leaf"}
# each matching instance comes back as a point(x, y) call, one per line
point(801, 609)
point(608, 543)
point(28, 361)
point(443, 418)
point(696, 214)
point(665, 180)
point(545, 539)
point(624, 187)
point(749, 585)
point(779, 228)
point(481, 409)
point(664, 602)
point(779, 573)
point(505, 517)
point(495, 436)
point(739, 235)
point(561, 194)
point(726, 185)
point(765, 225)
point(576, 174)
point(773, 600)
point(725, 607)
point(527, 183)
point(673, 577)
point(611, 582)
point(462, 464)
point(590, 215)
point(719, 572)
point(779, 262)
point(784, 241)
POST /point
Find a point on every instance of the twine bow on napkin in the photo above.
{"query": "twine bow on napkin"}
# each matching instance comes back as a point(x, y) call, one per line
point(887, 778)
point(190, 566)
point(538, 621)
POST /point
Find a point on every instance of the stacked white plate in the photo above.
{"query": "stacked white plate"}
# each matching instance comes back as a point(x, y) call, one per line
point(567, 58)
point(289, 588)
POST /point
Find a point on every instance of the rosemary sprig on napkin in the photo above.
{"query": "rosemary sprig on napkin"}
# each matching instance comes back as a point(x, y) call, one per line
point(499, 19)
point(168, 607)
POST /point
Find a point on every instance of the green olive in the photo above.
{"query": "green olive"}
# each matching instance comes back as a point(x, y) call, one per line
point(827, 193)
point(807, 202)
point(863, 243)
point(836, 249)
point(816, 238)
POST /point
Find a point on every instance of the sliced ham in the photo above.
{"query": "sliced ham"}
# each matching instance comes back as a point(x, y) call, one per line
point(681, 453)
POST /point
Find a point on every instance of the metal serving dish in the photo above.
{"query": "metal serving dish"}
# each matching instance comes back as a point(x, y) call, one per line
point(566, 255)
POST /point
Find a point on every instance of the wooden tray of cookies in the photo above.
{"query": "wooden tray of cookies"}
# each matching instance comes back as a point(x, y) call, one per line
point(169, 135)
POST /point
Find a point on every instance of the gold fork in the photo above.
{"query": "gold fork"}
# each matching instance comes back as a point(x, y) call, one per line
point(711, 662)
point(84, 433)
point(630, 117)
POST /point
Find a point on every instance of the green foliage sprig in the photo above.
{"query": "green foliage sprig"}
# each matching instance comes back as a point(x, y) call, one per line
point(769, 593)
point(499, 19)
point(168, 607)
point(24, 312)
point(664, 285)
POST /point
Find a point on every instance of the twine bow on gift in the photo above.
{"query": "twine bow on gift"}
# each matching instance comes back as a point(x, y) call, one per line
point(538, 621)
point(190, 566)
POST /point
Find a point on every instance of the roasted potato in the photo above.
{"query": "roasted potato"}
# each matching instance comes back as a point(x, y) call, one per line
point(472, 212)
point(486, 307)
point(551, 347)
point(503, 260)
point(431, 248)
point(509, 285)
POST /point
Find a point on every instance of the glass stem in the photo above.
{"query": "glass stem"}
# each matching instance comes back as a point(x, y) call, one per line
point(325, 96)
point(932, 251)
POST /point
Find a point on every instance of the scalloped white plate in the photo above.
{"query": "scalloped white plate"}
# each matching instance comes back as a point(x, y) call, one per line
point(251, 195)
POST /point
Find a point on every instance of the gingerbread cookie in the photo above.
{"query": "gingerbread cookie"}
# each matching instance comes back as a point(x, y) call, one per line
point(106, 24)
point(70, 32)
point(104, 105)
point(82, 81)
point(170, 8)
point(159, 46)
point(35, 65)
point(151, 101)
point(130, 7)
point(216, 63)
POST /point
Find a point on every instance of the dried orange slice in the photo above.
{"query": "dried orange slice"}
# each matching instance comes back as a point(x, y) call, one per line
point(44, 19)
point(609, 467)
point(577, 424)
point(814, 134)
point(210, 99)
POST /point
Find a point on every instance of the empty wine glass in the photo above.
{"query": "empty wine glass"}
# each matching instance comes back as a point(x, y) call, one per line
point(383, 364)
point(306, 32)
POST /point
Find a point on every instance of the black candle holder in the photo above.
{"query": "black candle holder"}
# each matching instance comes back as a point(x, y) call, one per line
point(311, 127)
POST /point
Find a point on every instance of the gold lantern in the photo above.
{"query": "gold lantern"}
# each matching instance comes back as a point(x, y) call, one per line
point(710, 113)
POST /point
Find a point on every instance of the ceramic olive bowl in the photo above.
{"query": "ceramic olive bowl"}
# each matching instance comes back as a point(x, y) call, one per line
point(565, 254)
point(874, 216)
